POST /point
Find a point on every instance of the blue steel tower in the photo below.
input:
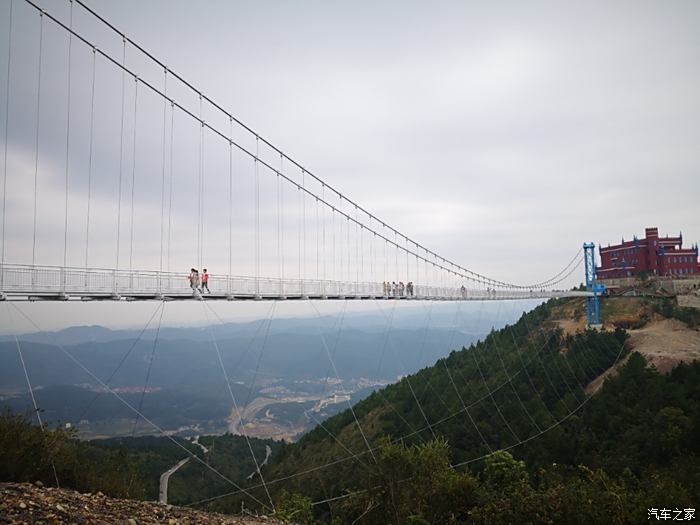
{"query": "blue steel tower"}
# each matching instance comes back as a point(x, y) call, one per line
point(591, 284)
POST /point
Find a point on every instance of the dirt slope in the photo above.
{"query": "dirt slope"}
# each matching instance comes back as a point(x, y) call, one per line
point(664, 343)
point(22, 503)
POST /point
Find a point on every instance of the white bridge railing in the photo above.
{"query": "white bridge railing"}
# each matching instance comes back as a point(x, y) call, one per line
point(62, 283)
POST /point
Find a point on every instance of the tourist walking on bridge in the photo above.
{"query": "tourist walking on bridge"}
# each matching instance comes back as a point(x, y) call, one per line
point(194, 280)
point(205, 281)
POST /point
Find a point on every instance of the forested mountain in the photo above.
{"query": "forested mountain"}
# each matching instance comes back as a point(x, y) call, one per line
point(521, 391)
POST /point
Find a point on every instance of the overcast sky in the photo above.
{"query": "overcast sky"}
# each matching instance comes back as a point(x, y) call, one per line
point(500, 134)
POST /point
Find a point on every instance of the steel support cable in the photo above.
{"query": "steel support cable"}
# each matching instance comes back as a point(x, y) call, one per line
point(319, 422)
point(589, 369)
point(496, 346)
point(524, 368)
point(466, 274)
point(282, 220)
point(454, 385)
point(323, 234)
point(228, 114)
point(36, 141)
point(554, 389)
point(235, 404)
point(553, 425)
point(396, 440)
point(148, 372)
point(194, 456)
point(340, 237)
point(337, 328)
point(133, 178)
point(385, 344)
point(318, 245)
point(162, 177)
point(337, 375)
point(279, 233)
point(541, 362)
point(121, 144)
point(123, 359)
point(262, 351)
point(545, 283)
point(490, 394)
point(408, 379)
point(566, 383)
point(524, 441)
point(90, 153)
point(37, 412)
point(359, 454)
point(230, 209)
point(200, 154)
point(573, 374)
point(303, 229)
point(7, 140)
point(357, 253)
point(65, 215)
point(263, 321)
point(257, 217)
point(170, 182)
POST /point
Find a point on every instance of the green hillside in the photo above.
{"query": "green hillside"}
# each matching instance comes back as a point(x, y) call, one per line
point(520, 390)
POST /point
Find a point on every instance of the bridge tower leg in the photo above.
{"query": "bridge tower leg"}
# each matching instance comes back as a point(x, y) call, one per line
point(592, 306)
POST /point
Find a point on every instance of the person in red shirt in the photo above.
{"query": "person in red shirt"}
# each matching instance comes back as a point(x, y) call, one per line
point(205, 281)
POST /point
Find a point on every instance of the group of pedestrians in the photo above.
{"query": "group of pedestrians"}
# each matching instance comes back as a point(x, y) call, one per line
point(393, 289)
point(199, 283)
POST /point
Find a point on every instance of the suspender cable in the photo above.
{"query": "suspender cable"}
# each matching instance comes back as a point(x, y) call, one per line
point(199, 187)
point(279, 229)
point(341, 276)
point(282, 217)
point(162, 179)
point(325, 255)
point(36, 141)
point(170, 182)
point(371, 252)
point(230, 208)
point(89, 181)
point(65, 215)
point(121, 155)
point(202, 193)
point(303, 229)
point(7, 139)
point(257, 217)
point(301, 286)
point(133, 178)
point(318, 245)
point(357, 253)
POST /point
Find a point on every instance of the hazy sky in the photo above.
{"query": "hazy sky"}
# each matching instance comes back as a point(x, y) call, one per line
point(500, 134)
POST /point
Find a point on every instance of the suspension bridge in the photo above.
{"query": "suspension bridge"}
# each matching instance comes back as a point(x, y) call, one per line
point(120, 175)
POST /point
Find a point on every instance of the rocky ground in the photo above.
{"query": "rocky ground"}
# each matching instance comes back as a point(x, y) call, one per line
point(23, 503)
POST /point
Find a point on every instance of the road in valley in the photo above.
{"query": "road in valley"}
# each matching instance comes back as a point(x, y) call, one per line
point(165, 477)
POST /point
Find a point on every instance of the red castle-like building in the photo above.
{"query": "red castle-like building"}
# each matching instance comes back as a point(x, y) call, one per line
point(653, 255)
